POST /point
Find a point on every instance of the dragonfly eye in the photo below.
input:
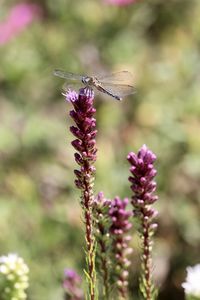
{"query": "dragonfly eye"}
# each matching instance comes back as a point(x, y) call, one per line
point(86, 80)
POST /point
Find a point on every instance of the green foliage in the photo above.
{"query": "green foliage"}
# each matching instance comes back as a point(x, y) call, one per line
point(190, 297)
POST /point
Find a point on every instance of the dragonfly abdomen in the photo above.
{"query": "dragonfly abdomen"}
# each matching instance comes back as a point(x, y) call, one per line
point(105, 91)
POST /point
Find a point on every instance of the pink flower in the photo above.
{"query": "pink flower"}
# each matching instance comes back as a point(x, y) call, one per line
point(120, 2)
point(20, 16)
point(72, 285)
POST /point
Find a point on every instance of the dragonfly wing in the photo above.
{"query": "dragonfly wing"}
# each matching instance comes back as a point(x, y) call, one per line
point(123, 77)
point(74, 85)
point(68, 76)
point(119, 90)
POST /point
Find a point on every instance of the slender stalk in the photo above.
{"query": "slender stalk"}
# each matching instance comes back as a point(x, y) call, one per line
point(87, 198)
point(146, 256)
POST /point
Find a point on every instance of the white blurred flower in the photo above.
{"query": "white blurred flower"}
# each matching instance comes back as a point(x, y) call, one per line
point(13, 277)
point(192, 282)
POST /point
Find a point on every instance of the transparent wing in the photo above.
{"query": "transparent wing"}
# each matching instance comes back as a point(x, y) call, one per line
point(123, 77)
point(68, 76)
point(74, 85)
point(120, 90)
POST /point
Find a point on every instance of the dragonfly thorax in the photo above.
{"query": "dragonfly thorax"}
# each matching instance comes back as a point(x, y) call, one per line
point(87, 80)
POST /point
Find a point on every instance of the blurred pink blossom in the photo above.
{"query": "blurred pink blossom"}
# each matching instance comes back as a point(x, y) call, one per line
point(120, 2)
point(19, 17)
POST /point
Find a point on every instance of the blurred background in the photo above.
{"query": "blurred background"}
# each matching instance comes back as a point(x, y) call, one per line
point(159, 42)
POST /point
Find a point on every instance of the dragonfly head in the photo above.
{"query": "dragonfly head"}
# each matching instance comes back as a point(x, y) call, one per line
point(87, 80)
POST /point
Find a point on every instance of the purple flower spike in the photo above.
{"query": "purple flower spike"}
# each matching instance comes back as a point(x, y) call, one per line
point(143, 186)
point(85, 156)
point(71, 285)
point(71, 275)
point(120, 225)
point(71, 96)
point(143, 172)
point(85, 133)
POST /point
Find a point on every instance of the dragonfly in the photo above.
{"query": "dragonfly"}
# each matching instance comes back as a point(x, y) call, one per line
point(116, 85)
